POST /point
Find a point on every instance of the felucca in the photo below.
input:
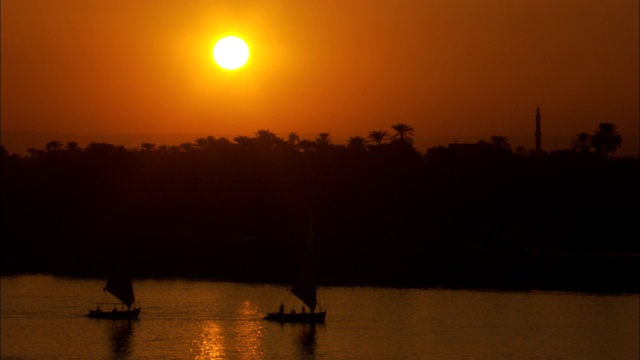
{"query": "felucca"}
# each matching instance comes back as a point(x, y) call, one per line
point(304, 288)
point(120, 286)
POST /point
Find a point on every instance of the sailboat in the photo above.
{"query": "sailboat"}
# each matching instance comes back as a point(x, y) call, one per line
point(120, 286)
point(304, 288)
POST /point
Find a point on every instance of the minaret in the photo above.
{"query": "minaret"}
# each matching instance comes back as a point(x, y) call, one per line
point(538, 133)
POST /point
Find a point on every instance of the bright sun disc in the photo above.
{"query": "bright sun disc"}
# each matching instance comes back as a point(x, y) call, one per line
point(231, 52)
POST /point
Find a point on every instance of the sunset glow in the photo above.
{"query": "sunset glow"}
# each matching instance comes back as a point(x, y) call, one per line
point(461, 70)
point(273, 179)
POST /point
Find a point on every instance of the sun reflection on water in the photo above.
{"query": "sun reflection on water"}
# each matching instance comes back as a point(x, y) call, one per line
point(210, 344)
point(250, 332)
point(239, 336)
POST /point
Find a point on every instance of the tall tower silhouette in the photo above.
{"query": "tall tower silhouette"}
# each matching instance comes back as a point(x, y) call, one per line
point(538, 133)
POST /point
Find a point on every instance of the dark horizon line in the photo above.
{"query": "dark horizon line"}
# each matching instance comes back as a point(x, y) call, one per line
point(551, 142)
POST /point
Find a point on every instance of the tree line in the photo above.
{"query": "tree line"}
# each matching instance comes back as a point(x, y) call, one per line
point(383, 212)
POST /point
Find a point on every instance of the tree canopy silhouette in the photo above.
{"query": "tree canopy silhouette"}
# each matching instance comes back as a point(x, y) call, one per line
point(464, 214)
point(606, 139)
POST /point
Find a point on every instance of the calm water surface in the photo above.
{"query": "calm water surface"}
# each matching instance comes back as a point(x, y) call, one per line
point(42, 318)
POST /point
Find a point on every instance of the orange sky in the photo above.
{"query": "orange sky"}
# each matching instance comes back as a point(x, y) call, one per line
point(447, 67)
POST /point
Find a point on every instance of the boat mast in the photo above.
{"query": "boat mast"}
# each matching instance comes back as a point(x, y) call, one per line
point(305, 286)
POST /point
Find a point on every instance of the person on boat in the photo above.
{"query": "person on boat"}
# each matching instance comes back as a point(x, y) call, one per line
point(293, 311)
point(281, 308)
point(114, 309)
point(98, 309)
point(303, 310)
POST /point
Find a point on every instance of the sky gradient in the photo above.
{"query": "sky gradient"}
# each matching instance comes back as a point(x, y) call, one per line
point(450, 69)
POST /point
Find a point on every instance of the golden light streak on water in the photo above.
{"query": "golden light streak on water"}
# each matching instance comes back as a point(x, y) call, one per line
point(250, 332)
point(210, 344)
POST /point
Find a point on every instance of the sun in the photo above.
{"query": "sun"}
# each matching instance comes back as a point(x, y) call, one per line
point(231, 52)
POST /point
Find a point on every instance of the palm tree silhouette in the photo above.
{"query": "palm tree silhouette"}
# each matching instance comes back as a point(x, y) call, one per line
point(53, 145)
point(293, 139)
point(268, 140)
point(205, 143)
point(323, 140)
point(146, 146)
point(582, 143)
point(356, 143)
point(404, 133)
point(186, 147)
point(73, 146)
point(606, 139)
point(378, 136)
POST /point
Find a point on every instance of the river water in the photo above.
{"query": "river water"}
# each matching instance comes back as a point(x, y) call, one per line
point(42, 318)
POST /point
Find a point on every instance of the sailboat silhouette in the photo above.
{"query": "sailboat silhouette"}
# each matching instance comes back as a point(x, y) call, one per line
point(304, 288)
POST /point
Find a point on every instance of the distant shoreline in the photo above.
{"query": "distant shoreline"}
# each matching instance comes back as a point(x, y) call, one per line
point(595, 274)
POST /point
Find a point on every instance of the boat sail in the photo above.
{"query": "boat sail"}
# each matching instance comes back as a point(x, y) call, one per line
point(119, 285)
point(304, 288)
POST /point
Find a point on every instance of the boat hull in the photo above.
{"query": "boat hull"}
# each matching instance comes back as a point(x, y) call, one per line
point(114, 315)
point(313, 318)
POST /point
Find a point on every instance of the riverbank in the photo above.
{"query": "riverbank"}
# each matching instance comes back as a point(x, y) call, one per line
point(613, 273)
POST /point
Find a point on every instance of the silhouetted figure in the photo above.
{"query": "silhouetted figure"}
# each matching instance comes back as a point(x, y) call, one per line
point(303, 310)
point(114, 309)
point(293, 311)
point(98, 309)
point(281, 308)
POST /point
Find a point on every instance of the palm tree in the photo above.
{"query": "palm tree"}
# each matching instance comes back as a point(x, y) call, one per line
point(147, 146)
point(53, 145)
point(73, 146)
point(357, 143)
point(606, 139)
point(378, 136)
point(99, 148)
point(293, 138)
point(244, 142)
point(201, 143)
point(582, 143)
point(268, 140)
point(323, 140)
point(404, 133)
point(186, 147)
point(265, 135)
point(205, 143)
point(173, 149)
